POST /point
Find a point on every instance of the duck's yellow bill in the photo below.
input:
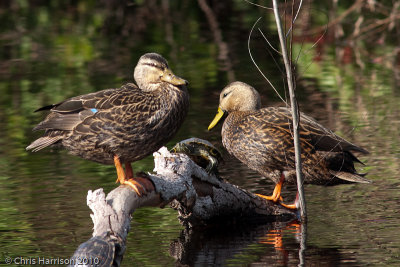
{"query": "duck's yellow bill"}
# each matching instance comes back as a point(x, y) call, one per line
point(169, 77)
point(217, 118)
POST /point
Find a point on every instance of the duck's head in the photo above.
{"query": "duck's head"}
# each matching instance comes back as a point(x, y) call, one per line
point(237, 96)
point(152, 71)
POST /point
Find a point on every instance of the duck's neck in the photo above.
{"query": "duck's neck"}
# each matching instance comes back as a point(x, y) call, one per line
point(232, 120)
point(173, 96)
point(149, 87)
point(171, 106)
point(175, 103)
point(235, 117)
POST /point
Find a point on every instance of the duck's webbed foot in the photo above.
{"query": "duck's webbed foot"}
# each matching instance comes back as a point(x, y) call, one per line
point(293, 206)
point(138, 184)
point(276, 195)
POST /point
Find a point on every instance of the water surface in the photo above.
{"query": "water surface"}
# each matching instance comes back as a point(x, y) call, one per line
point(51, 51)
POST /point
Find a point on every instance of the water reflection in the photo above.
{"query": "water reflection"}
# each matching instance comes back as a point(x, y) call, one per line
point(274, 244)
point(250, 243)
point(49, 52)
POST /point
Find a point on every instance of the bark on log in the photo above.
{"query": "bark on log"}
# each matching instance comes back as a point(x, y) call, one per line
point(200, 198)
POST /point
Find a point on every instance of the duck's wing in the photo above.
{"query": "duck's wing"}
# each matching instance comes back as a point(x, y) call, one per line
point(321, 142)
point(269, 133)
point(88, 112)
point(66, 115)
point(321, 138)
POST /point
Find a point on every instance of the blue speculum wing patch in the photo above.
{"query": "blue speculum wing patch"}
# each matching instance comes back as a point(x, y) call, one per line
point(94, 110)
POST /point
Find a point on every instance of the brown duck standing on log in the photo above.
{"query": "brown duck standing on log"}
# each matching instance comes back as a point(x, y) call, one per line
point(262, 139)
point(123, 125)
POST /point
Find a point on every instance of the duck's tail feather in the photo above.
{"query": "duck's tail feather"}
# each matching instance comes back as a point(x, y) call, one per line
point(43, 142)
point(351, 177)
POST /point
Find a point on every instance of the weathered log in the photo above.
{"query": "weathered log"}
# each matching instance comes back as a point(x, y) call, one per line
point(200, 198)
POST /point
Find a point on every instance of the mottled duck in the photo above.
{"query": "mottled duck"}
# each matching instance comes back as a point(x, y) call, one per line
point(262, 139)
point(123, 125)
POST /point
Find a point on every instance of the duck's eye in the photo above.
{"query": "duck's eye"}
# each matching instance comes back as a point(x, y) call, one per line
point(224, 95)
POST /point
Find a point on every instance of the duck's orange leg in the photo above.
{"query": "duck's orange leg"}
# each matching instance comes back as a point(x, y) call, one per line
point(276, 195)
point(127, 178)
point(292, 206)
point(128, 170)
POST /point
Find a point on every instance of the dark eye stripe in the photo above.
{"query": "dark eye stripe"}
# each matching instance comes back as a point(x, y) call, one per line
point(153, 65)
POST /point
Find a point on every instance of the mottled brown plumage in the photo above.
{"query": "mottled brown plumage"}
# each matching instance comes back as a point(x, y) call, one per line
point(262, 139)
point(124, 124)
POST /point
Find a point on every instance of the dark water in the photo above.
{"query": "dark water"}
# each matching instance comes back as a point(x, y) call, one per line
point(349, 81)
